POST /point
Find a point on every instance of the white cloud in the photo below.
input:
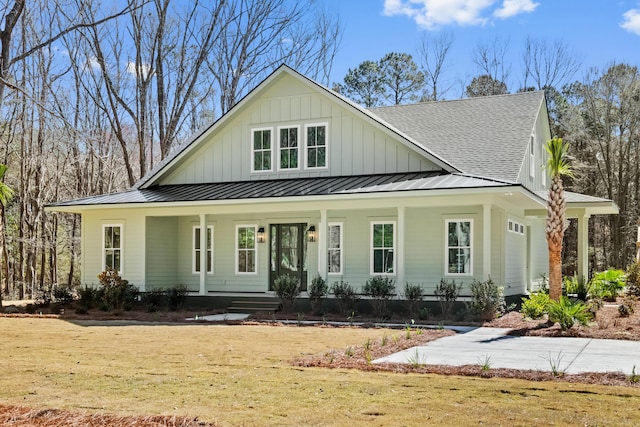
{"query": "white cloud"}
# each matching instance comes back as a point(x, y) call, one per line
point(144, 68)
point(632, 21)
point(92, 62)
point(515, 7)
point(432, 14)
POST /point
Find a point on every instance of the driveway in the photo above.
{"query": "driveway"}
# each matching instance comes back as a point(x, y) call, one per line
point(568, 355)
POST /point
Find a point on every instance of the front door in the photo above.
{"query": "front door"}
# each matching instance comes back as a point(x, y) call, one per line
point(288, 252)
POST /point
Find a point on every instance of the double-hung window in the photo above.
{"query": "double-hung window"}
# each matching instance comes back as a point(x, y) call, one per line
point(246, 258)
point(261, 149)
point(316, 149)
point(289, 148)
point(458, 252)
point(334, 248)
point(383, 245)
point(197, 250)
point(112, 247)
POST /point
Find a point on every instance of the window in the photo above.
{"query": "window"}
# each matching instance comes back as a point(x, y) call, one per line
point(112, 247)
point(458, 250)
point(246, 249)
point(334, 248)
point(289, 148)
point(197, 250)
point(317, 146)
point(532, 157)
point(261, 150)
point(383, 244)
point(510, 226)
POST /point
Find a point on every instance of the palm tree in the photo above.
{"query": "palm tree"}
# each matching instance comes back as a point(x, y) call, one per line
point(557, 166)
point(5, 196)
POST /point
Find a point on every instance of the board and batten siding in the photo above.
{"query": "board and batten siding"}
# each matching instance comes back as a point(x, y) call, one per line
point(533, 176)
point(539, 252)
point(162, 253)
point(355, 144)
point(515, 257)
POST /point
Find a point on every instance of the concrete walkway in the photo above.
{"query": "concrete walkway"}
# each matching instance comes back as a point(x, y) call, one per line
point(568, 355)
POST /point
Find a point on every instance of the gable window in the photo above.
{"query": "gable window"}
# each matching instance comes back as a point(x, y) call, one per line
point(197, 250)
point(289, 148)
point(245, 249)
point(316, 146)
point(458, 247)
point(261, 150)
point(383, 245)
point(532, 157)
point(334, 248)
point(112, 247)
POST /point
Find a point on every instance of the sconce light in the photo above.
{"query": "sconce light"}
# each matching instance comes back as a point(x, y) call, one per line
point(261, 235)
point(311, 233)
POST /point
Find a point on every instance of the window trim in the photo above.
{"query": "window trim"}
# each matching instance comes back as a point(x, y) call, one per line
point(446, 247)
point(253, 151)
point(104, 249)
point(329, 248)
point(255, 249)
point(326, 146)
point(372, 249)
point(279, 166)
point(193, 249)
point(532, 156)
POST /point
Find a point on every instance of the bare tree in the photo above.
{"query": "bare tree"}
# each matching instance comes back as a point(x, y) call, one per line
point(491, 59)
point(433, 52)
point(547, 65)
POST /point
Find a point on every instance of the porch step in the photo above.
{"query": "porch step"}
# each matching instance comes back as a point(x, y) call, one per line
point(254, 306)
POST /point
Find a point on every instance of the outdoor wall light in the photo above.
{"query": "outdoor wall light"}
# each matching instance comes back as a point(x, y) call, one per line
point(261, 235)
point(311, 233)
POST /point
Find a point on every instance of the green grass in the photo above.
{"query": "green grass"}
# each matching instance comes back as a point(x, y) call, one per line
point(240, 375)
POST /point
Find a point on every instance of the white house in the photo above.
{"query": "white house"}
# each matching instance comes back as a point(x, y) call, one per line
point(296, 179)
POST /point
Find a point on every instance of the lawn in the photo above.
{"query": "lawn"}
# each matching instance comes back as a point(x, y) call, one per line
point(241, 375)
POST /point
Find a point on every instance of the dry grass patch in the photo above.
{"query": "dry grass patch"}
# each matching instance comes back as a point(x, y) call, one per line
point(242, 375)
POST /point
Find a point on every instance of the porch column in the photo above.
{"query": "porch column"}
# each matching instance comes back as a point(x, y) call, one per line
point(203, 254)
point(323, 230)
point(583, 246)
point(486, 240)
point(400, 249)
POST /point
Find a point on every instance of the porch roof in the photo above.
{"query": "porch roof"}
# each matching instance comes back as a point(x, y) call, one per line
point(323, 186)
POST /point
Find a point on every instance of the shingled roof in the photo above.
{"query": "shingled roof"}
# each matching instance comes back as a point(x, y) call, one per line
point(484, 136)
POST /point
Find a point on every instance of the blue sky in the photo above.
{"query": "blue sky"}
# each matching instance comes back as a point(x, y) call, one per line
point(600, 32)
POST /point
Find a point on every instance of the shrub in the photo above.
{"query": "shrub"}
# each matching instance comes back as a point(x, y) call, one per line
point(609, 283)
point(63, 294)
point(633, 279)
point(447, 293)
point(535, 306)
point(487, 300)
point(412, 296)
point(88, 297)
point(627, 307)
point(117, 293)
point(567, 313)
point(346, 297)
point(317, 291)
point(154, 299)
point(288, 289)
point(380, 290)
point(576, 286)
point(177, 296)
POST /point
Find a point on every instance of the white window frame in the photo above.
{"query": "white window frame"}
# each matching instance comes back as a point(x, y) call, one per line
point(253, 150)
point(340, 225)
point(372, 248)
point(104, 249)
point(446, 246)
point(255, 250)
point(280, 128)
point(326, 145)
point(532, 156)
point(196, 252)
point(509, 227)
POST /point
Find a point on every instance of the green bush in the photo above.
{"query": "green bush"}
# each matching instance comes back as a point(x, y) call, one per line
point(346, 297)
point(576, 286)
point(288, 289)
point(633, 279)
point(412, 296)
point(63, 294)
point(117, 293)
point(380, 290)
point(88, 298)
point(447, 293)
point(487, 300)
point(317, 292)
point(154, 299)
point(627, 307)
point(177, 296)
point(607, 284)
point(536, 305)
point(567, 313)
